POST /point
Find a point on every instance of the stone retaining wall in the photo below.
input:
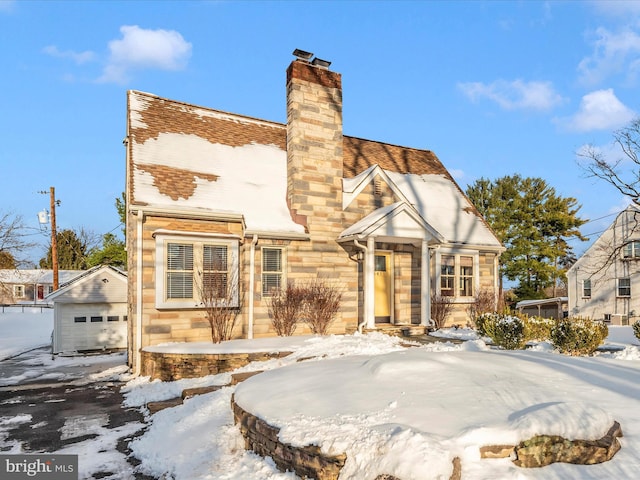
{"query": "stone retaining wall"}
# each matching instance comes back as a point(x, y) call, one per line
point(306, 462)
point(174, 366)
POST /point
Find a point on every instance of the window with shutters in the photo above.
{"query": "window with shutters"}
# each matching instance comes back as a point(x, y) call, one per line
point(272, 269)
point(192, 267)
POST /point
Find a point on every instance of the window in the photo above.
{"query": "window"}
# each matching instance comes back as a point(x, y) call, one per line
point(193, 268)
point(272, 271)
point(466, 276)
point(631, 250)
point(624, 287)
point(112, 318)
point(18, 291)
point(179, 270)
point(96, 319)
point(457, 275)
point(80, 319)
point(447, 275)
point(586, 288)
point(215, 271)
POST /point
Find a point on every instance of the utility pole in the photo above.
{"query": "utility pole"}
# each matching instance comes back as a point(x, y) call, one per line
point(54, 239)
point(54, 236)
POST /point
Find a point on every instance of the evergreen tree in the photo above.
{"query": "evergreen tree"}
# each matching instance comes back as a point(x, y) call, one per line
point(112, 252)
point(72, 251)
point(534, 224)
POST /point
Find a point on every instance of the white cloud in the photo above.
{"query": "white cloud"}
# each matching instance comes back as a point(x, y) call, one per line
point(457, 173)
point(514, 95)
point(139, 48)
point(77, 57)
point(599, 110)
point(619, 8)
point(613, 53)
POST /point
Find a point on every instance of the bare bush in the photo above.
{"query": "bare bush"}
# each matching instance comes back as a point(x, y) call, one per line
point(222, 299)
point(441, 306)
point(286, 307)
point(483, 302)
point(321, 304)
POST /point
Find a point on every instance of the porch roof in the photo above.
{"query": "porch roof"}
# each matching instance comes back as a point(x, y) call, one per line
point(398, 222)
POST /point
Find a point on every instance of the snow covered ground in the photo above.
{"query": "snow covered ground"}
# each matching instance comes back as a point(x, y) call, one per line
point(393, 409)
point(24, 329)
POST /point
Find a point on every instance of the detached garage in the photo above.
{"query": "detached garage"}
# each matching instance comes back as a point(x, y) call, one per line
point(90, 312)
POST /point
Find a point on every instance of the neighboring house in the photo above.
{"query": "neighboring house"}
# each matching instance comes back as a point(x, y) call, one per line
point(90, 312)
point(555, 307)
point(272, 203)
point(604, 284)
point(30, 286)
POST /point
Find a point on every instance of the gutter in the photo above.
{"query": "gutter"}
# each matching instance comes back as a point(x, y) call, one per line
point(138, 354)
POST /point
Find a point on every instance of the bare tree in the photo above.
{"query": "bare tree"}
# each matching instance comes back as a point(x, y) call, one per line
point(221, 296)
point(321, 306)
point(13, 238)
point(286, 307)
point(441, 306)
point(622, 173)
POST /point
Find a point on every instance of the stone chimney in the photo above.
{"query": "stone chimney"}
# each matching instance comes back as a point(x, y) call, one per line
point(314, 143)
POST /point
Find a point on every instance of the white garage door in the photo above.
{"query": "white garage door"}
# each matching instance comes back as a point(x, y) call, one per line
point(92, 327)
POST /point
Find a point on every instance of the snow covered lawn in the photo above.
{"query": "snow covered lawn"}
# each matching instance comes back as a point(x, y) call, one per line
point(22, 331)
point(404, 411)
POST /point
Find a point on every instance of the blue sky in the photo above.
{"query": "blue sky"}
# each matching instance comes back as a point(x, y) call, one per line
point(493, 88)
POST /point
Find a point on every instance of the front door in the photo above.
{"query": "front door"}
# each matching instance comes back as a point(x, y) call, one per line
point(382, 286)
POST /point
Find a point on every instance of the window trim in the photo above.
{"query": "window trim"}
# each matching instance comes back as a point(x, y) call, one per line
point(457, 272)
point(283, 267)
point(619, 287)
point(585, 288)
point(198, 241)
point(19, 291)
point(633, 247)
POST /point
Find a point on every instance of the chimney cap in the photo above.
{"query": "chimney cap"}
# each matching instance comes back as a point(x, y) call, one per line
point(302, 55)
point(318, 62)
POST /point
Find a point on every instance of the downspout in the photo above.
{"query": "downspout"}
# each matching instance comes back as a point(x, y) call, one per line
point(252, 276)
point(364, 283)
point(140, 218)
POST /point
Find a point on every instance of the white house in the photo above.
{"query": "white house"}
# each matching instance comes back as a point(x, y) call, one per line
point(90, 312)
point(32, 285)
point(604, 284)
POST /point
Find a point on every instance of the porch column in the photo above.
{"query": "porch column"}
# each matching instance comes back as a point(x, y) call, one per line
point(369, 294)
point(425, 285)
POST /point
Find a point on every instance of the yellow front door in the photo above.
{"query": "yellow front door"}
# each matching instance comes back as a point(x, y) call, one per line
point(382, 286)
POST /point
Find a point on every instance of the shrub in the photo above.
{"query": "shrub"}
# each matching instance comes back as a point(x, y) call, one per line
point(578, 336)
point(538, 328)
point(506, 331)
point(321, 304)
point(286, 307)
point(441, 307)
point(636, 329)
point(483, 302)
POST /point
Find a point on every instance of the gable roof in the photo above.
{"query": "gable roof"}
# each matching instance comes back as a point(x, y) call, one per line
point(187, 158)
point(87, 276)
point(37, 276)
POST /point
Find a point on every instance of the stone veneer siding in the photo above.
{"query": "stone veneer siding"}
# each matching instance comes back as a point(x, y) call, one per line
point(169, 367)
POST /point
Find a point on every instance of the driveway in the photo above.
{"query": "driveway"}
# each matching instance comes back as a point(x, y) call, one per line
point(66, 406)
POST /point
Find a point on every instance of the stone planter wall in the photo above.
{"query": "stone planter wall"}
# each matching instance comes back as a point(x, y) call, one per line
point(174, 366)
point(306, 462)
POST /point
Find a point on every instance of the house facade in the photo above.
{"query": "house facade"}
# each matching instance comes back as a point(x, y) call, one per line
point(275, 203)
point(604, 284)
point(30, 286)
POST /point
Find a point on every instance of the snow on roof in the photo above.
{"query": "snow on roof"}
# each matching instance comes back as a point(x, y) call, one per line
point(443, 206)
point(37, 276)
point(250, 180)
